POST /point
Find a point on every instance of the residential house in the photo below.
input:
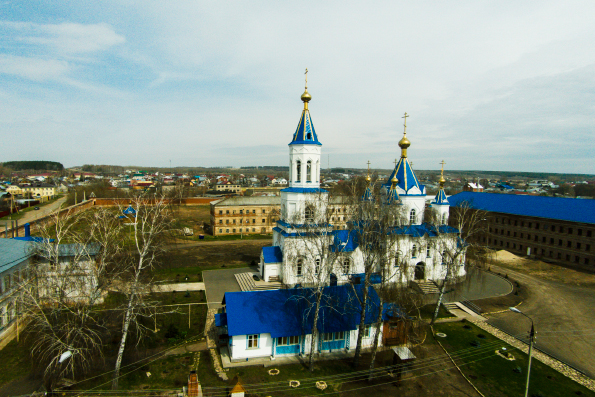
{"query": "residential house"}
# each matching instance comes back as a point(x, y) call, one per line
point(279, 322)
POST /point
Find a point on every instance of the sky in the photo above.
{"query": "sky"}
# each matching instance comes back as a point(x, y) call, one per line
point(489, 85)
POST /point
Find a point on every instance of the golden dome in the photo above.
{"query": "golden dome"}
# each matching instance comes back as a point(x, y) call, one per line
point(404, 142)
point(394, 181)
point(306, 97)
point(442, 180)
point(368, 178)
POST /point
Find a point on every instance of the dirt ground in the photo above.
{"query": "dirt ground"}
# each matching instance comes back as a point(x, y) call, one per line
point(560, 301)
point(193, 258)
point(440, 380)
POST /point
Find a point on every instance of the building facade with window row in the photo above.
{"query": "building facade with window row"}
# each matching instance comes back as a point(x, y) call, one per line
point(553, 229)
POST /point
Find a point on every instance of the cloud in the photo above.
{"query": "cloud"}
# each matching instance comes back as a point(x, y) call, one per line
point(69, 38)
point(33, 68)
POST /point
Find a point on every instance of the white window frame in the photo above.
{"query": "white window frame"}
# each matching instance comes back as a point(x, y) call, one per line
point(252, 341)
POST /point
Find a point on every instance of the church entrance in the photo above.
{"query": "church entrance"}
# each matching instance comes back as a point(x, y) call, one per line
point(420, 271)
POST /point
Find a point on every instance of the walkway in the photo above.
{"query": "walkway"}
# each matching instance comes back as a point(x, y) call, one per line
point(218, 282)
point(181, 287)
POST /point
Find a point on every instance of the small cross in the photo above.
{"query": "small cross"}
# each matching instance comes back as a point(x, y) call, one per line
point(396, 161)
point(411, 164)
point(405, 124)
point(369, 166)
point(306, 78)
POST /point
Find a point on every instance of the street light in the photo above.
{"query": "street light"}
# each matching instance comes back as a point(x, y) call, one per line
point(531, 338)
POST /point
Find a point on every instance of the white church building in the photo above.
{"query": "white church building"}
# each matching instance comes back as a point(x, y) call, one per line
point(270, 323)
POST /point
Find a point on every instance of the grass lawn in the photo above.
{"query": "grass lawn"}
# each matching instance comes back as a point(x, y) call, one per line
point(427, 312)
point(14, 364)
point(496, 376)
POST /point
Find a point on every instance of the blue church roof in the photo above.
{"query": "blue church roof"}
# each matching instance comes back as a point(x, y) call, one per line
point(305, 133)
point(393, 196)
point(344, 240)
point(440, 198)
point(272, 254)
point(560, 208)
point(288, 312)
point(406, 177)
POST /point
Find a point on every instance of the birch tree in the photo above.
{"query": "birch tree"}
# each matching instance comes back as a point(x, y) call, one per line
point(376, 220)
point(56, 297)
point(452, 242)
point(149, 229)
point(313, 255)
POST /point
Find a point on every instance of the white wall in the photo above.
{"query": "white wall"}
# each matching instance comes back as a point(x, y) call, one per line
point(239, 348)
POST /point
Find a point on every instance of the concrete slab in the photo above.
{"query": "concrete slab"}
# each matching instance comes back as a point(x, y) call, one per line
point(181, 287)
point(218, 282)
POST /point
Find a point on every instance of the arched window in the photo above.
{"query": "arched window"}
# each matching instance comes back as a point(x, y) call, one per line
point(299, 267)
point(412, 216)
point(309, 214)
point(298, 171)
point(309, 171)
point(414, 251)
point(443, 257)
point(346, 265)
point(428, 251)
point(317, 266)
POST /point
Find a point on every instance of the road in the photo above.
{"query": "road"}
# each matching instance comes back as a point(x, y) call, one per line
point(43, 211)
point(563, 317)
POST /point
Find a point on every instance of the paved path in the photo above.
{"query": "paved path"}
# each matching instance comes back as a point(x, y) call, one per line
point(43, 211)
point(563, 316)
point(181, 287)
point(218, 282)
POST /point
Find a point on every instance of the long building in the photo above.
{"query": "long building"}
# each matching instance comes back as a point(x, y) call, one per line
point(553, 229)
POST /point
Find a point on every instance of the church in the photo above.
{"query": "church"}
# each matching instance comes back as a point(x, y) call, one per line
point(295, 256)
point(309, 252)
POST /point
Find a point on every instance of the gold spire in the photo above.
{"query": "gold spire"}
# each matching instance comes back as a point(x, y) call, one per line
point(368, 179)
point(404, 142)
point(306, 97)
point(442, 180)
point(394, 180)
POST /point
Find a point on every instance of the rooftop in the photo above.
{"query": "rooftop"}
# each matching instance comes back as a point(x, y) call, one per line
point(13, 252)
point(559, 208)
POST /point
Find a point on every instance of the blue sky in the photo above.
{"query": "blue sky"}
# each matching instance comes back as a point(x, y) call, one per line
point(500, 85)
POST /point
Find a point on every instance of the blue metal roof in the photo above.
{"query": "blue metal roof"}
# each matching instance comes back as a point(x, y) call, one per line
point(560, 208)
point(392, 196)
point(129, 210)
point(272, 254)
point(440, 198)
point(344, 240)
point(423, 229)
point(305, 133)
point(13, 252)
point(288, 312)
point(406, 177)
point(368, 196)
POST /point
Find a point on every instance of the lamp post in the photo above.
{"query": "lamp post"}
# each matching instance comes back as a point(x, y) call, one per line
point(531, 339)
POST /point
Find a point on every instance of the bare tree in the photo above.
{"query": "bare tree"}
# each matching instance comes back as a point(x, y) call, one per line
point(313, 255)
point(56, 297)
point(150, 227)
point(376, 220)
point(452, 241)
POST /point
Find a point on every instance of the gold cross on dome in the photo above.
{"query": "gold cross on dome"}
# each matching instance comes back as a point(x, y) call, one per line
point(405, 123)
point(369, 166)
point(306, 78)
point(396, 161)
point(442, 170)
